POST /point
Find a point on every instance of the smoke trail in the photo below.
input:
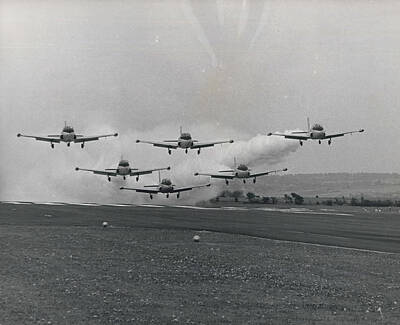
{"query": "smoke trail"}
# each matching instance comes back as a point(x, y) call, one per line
point(53, 178)
point(188, 13)
point(243, 18)
point(260, 152)
point(220, 12)
point(261, 149)
point(263, 21)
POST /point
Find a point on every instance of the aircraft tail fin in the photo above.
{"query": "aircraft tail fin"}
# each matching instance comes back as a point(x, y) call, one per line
point(180, 130)
point(308, 124)
point(234, 162)
point(159, 177)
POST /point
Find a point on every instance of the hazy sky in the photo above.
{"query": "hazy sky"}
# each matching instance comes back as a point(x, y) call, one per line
point(222, 69)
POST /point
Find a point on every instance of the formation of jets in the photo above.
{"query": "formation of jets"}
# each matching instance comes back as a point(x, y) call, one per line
point(185, 142)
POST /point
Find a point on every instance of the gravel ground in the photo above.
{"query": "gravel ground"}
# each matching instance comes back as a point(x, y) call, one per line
point(119, 275)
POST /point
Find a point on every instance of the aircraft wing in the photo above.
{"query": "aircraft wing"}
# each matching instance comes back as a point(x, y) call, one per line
point(99, 172)
point(149, 171)
point(182, 189)
point(329, 136)
point(208, 144)
point(295, 136)
point(93, 138)
point(161, 144)
point(216, 175)
point(269, 172)
point(47, 139)
point(140, 190)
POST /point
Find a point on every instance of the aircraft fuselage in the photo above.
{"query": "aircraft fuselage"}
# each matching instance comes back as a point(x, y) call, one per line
point(67, 136)
point(185, 144)
point(317, 135)
point(242, 173)
point(166, 188)
point(123, 170)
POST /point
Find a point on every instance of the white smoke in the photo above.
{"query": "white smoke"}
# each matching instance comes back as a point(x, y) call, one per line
point(266, 16)
point(191, 17)
point(243, 18)
point(261, 153)
point(260, 149)
point(53, 177)
point(220, 12)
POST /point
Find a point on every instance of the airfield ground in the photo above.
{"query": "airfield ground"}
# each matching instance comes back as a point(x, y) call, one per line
point(253, 265)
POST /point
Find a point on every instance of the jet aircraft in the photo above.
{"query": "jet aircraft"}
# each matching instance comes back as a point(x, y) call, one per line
point(316, 132)
point(241, 171)
point(123, 169)
point(185, 142)
point(164, 186)
point(67, 135)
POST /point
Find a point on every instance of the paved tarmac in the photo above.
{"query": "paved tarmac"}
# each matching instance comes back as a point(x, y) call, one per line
point(352, 228)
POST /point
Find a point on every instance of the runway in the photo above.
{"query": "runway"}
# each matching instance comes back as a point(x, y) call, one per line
point(351, 228)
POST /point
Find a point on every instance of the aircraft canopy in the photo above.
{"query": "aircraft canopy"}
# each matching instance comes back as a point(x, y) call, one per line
point(242, 167)
point(124, 163)
point(166, 181)
point(186, 136)
point(317, 127)
point(68, 129)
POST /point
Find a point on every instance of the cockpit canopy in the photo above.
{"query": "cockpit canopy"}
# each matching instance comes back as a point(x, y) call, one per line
point(242, 167)
point(68, 129)
point(123, 163)
point(166, 181)
point(317, 127)
point(186, 136)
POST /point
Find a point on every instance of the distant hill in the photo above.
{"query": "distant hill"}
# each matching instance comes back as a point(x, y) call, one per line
point(373, 185)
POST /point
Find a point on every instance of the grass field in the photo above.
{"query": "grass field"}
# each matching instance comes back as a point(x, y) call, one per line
point(59, 266)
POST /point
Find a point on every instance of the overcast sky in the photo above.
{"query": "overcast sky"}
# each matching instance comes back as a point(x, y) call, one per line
point(221, 69)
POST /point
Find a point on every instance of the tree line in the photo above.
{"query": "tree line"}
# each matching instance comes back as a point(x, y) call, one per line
point(297, 199)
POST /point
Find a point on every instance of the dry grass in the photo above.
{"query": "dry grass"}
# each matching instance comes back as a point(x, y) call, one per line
point(90, 275)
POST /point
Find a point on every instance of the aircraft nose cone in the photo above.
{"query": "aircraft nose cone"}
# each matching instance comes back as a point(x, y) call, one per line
point(18, 135)
point(269, 134)
point(76, 168)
